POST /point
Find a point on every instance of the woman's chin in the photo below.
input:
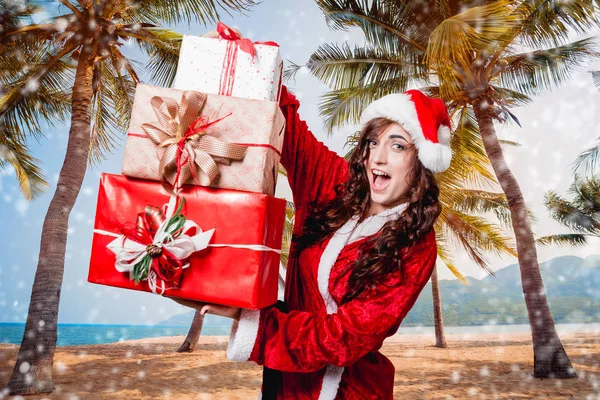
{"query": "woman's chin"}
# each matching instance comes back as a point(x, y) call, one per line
point(379, 198)
point(383, 200)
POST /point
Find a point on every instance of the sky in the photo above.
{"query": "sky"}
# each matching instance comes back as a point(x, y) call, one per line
point(555, 129)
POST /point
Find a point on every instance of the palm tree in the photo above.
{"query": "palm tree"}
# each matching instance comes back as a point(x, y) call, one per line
point(191, 341)
point(438, 320)
point(581, 214)
point(481, 57)
point(13, 149)
point(90, 35)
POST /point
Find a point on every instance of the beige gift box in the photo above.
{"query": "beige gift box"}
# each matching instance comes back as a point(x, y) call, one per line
point(257, 124)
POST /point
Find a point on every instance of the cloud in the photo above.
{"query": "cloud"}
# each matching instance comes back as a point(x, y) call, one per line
point(22, 206)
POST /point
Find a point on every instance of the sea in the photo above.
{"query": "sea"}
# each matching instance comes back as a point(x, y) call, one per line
point(81, 334)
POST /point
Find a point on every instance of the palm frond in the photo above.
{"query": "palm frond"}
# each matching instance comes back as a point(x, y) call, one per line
point(568, 239)
point(476, 235)
point(163, 49)
point(282, 170)
point(510, 143)
point(473, 201)
point(509, 97)
point(291, 70)
point(111, 110)
point(29, 175)
point(162, 46)
point(288, 229)
point(186, 11)
point(343, 67)
point(549, 22)
point(340, 107)
point(569, 215)
point(40, 94)
point(124, 66)
point(386, 25)
point(586, 195)
point(11, 13)
point(537, 71)
point(470, 163)
point(351, 143)
point(481, 28)
point(444, 255)
point(587, 161)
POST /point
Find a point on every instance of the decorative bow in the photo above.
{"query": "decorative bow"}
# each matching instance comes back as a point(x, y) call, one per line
point(182, 132)
point(246, 45)
point(158, 244)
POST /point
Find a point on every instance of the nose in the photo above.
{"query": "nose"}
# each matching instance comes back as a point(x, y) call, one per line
point(379, 155)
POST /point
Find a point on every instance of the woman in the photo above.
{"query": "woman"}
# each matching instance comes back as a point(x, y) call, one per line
point(363, 249)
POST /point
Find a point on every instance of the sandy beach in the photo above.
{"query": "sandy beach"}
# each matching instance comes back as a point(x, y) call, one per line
point(482, 366)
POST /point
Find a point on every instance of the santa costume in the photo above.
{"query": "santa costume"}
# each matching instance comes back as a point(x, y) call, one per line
point(322, 350)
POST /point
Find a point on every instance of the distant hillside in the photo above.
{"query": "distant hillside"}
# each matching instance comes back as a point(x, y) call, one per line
point(572, 286)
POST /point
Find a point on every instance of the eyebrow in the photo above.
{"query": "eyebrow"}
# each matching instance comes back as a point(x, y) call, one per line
point(398, 137)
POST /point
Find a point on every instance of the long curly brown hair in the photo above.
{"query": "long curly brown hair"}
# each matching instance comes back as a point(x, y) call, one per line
point(379, 255)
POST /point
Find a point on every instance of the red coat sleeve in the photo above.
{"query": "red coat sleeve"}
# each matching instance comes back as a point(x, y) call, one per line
point(304, 342)
point(313, 170)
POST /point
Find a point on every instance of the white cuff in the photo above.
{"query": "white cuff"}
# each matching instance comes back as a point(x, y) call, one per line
point(243, 335)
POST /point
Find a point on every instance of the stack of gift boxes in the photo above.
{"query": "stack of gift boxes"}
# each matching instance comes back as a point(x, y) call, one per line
point(193, 214)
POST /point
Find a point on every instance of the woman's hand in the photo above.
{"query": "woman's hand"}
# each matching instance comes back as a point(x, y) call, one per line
point(224, 311)
point(206, 308)
point(196, 305)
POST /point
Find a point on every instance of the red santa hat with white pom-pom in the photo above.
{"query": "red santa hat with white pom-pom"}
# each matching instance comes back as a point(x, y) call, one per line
point(424, 118)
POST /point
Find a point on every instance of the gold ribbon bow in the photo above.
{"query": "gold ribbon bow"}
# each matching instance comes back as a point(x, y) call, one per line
point(182, 132)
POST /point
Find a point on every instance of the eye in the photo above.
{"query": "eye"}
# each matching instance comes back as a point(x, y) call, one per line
point(371, 143)
point(398, 146)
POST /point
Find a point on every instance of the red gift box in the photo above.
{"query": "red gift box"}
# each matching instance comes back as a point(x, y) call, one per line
point(234, 276)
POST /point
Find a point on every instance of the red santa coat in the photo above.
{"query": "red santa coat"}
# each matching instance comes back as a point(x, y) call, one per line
point(328, 351)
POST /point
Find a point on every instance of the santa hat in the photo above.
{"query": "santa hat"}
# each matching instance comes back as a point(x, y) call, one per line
point(424, 118)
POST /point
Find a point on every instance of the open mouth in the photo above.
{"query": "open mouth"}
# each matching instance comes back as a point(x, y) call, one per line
point(381, 180)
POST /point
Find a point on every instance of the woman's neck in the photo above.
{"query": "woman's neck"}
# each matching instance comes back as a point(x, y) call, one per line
point(375, 209)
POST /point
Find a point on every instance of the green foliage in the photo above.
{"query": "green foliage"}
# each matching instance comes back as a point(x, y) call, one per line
point(37, 64)
point(580, 214)
point(503, 50)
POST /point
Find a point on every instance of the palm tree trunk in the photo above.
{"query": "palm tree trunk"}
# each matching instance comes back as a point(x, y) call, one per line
point(33, 370)
point(438, 320)
point(191, 341)
point(549, 357)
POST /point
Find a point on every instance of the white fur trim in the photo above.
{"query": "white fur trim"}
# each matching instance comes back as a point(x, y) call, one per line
point(243, 335)
point(434, 156)
point(331, 382)
point(444, 135)
point(399, 108)
point(337, 242)
point(350, 232)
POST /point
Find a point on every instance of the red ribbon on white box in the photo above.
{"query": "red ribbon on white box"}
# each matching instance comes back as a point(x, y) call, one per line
point(235, 42)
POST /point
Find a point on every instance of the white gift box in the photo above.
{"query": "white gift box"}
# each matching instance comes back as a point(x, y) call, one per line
point(223, 67)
